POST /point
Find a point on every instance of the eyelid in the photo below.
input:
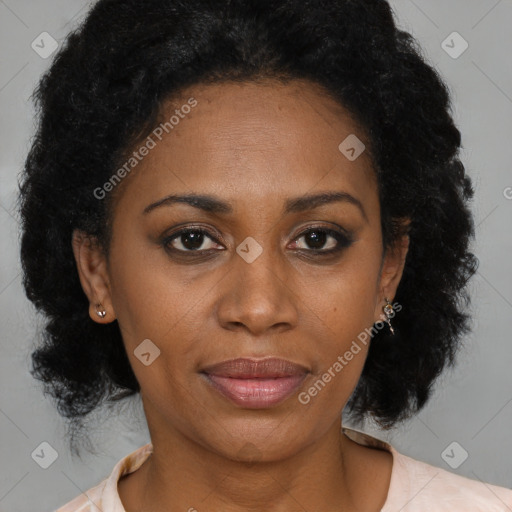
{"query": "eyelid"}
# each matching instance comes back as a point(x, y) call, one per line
point(176, 233)
point(185, 228)
point(344, 238)
point(329, 227)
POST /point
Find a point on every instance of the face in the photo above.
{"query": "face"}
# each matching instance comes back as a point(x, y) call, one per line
point(261, 269)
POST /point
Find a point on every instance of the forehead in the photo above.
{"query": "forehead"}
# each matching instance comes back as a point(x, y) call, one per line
point(254, 140)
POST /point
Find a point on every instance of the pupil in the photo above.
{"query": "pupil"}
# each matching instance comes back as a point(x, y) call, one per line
point(192, 240)
point(317, 238)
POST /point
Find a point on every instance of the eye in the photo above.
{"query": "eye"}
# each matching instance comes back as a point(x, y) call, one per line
point(323, 240)
point(198, 241)
point(190, 240)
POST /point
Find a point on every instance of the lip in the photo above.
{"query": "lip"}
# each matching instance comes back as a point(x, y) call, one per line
point(256, 383)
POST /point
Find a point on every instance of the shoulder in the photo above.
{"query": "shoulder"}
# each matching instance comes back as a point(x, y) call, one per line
point(104, 496)
point(417, 487)
point(86, 502)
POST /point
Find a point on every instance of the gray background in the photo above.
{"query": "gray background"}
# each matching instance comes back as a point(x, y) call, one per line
point(472, 404)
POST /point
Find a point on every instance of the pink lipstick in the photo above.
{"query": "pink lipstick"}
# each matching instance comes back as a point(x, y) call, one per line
point(256, 383)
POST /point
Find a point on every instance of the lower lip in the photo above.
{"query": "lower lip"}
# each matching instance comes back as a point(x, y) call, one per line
point(256, 393)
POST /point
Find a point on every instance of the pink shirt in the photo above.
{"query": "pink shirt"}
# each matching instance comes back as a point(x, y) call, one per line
point(415, 486)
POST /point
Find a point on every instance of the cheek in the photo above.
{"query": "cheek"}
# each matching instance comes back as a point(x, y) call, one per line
point(147, 302)
point(344, 298)
point(341, 348)
point(343, 307)
point(160, 302)
point(149, 307)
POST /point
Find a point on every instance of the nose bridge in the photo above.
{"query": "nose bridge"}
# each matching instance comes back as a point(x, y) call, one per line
point(257, 295)
point(262, 275)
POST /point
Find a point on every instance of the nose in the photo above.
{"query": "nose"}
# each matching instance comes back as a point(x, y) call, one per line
point(257, 297)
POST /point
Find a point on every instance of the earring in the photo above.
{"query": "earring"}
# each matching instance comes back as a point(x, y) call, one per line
point(389, 312)
point(100, 312)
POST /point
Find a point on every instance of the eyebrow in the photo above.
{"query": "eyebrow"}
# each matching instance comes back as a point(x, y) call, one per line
point(212, 204)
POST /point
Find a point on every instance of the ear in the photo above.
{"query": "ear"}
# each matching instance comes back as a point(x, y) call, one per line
point(92, 268)
point(392, 270)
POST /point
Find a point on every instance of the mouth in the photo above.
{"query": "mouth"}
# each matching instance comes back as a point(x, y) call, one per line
point(255, 383)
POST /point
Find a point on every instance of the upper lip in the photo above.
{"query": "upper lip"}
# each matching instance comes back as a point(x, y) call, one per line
point(248, 368)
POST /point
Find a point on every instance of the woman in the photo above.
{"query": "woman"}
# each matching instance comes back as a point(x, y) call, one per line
point(253, 214)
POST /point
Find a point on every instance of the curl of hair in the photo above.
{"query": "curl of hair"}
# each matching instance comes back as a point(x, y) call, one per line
point(105, 89)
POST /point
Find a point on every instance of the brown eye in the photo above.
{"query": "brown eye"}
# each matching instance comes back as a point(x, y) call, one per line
point(190, 240)
point(323, 240)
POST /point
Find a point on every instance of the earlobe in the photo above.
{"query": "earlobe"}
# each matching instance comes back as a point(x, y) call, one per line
point(92, 270)
point(100, 311)
point(392, 271)
point(396, 264)
point(393, 267)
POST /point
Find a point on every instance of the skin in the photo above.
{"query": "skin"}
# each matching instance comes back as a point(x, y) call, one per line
point(253, 145)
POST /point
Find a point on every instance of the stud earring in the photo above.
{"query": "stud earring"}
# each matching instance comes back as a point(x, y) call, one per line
point(100, 312)
point(389, 312)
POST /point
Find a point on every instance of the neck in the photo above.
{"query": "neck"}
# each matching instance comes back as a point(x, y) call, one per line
point(182, 475)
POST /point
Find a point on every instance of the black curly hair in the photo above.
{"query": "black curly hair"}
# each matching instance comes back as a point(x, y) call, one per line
point(104, 91)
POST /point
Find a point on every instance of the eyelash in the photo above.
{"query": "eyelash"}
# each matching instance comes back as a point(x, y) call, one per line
point(344, 240)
